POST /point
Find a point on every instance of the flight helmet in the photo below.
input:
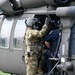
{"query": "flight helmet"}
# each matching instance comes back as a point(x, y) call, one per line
point(32, 22)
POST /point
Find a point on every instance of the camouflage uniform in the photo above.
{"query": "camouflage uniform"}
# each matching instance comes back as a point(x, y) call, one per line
point(33, 46)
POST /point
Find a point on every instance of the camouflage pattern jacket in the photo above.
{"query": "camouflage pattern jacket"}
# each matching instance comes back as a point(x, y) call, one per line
point(32, 39)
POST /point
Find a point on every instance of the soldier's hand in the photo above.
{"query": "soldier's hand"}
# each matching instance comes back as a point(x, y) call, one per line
point(47, 21)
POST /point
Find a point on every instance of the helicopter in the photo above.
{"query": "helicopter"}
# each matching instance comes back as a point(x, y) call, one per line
point(12, 28)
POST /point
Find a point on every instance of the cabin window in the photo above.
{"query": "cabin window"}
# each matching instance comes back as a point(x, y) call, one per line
point(19, 34)
point(5, 32)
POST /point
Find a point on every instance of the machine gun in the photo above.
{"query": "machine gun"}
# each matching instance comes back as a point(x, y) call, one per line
point(13, 6)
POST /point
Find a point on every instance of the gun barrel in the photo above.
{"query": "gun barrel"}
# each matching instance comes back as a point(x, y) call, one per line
point(9, 6)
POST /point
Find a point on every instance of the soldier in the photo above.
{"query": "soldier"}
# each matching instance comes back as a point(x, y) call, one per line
point(32, 44)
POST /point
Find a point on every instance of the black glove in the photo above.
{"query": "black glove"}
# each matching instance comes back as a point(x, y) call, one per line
point(47, 21)
point(28, 54)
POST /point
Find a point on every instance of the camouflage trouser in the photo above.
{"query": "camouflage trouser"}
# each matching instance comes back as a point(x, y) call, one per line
point(40, 65)
point(31, 64)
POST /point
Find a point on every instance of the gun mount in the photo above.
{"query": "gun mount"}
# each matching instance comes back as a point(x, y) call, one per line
point(12, 6)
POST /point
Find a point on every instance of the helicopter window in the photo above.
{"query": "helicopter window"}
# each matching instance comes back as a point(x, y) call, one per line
point(5, 32)
point(19, 34)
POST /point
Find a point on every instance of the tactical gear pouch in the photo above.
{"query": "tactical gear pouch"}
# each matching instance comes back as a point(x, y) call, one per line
point(39, 54)
point(28, 54)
